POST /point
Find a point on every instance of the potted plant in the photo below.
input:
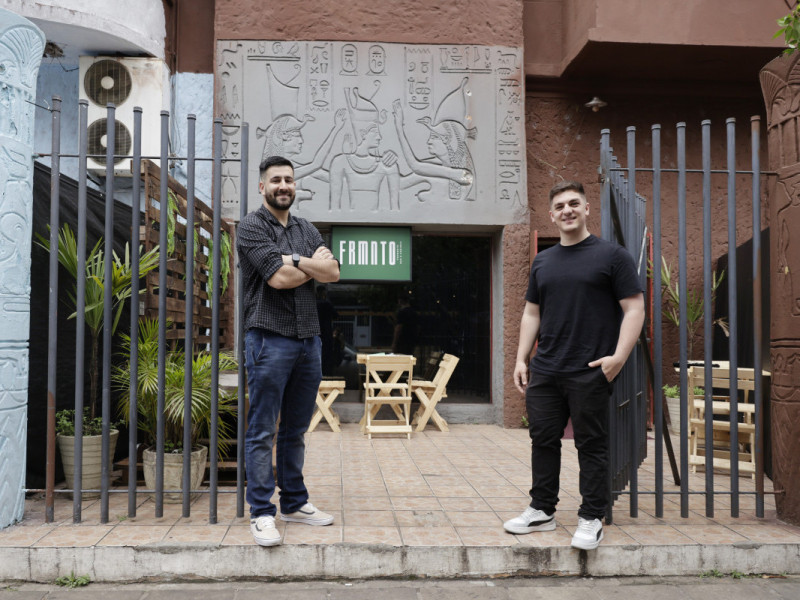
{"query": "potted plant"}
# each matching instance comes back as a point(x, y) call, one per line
point(91, 471)
point(671, 293)
point(672, 393)
point(147, 406)
point(94, 278)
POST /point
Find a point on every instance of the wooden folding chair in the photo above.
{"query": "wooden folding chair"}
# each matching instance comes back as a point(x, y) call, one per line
point(431, 392)
point(721, 405)
point(385, 386)
point(328, 392)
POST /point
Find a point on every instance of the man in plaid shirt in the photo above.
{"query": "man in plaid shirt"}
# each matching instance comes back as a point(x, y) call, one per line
point(279, 256)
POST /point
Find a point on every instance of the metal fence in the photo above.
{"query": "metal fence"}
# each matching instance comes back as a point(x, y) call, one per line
point(110, 159)
point(624, 219)
point(624, 212)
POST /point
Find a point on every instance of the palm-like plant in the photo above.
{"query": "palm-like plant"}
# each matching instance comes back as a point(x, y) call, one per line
point(694, 303)
point(147, 391)
point(94, 276)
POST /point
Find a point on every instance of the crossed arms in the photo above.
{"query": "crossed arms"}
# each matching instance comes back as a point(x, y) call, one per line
point(321, 266)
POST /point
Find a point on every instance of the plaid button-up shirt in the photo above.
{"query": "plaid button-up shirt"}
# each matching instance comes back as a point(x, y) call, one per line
point(261, 241)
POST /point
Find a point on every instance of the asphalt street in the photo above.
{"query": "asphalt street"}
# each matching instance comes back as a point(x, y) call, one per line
point(711, 586)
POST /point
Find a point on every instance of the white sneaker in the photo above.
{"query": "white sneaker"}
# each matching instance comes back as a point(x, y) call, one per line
point(588, 534)
point(532, 519)
point(264, 531)
point(309, 515)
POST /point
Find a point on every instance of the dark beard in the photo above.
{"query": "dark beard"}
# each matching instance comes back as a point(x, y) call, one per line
point(271, 201)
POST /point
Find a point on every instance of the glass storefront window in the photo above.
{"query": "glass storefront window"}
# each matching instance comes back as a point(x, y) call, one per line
point(444, 309)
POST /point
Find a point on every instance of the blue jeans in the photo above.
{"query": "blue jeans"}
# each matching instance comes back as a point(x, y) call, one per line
point(283, 376)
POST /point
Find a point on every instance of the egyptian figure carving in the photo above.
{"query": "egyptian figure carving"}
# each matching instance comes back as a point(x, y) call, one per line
point(21, 47)
point(782, 97)
point(450, 158)
point(384, 131)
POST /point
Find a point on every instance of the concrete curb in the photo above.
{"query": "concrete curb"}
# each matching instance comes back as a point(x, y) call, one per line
point(363, 561)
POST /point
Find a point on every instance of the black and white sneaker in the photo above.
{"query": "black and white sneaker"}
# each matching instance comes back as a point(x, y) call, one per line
point(588, 534)
point(532, 519)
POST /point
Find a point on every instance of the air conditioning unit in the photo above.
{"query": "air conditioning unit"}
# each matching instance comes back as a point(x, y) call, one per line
point(124, 82)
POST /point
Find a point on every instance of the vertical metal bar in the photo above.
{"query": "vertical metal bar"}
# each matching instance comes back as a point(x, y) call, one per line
point(605, 198)
point(108, 308)
point(605, 209)
point(755, 131)
point(133, 398)
point(52, 318)
point(241, 417)
point(215, 295)
point(630, 367)
point(708, 324)
point(188, 346)
point(162, 310)
point(732, 312)
point(657, 350)
point(681, 133)
point(80, 309)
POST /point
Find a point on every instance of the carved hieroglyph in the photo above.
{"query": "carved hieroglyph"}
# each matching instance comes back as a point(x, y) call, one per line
point(21, 47)
point(379, 132)
point(780, 83)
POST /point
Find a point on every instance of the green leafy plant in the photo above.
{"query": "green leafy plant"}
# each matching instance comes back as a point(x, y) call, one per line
point(671, 293)
point(673, 391)
point(790, 30)
point(172, 211)
point(716, 573)
point(525, 421)
point(65, 423)
point(94, 277)
point(73, 581)
point(224, 262)
point(147, 392)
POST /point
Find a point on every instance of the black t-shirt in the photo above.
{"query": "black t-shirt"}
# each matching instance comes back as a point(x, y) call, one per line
point(578, 289)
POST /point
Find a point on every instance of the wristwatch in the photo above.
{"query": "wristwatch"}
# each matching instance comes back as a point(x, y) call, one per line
point(296, 259)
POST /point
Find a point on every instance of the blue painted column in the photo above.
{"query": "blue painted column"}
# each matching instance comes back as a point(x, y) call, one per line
point(21, 48)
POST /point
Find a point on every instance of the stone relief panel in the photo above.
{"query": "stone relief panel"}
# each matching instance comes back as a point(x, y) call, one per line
point(13, 432)
point(379, 132)
point(785, 359)
point(781, 89)
point(21, 47)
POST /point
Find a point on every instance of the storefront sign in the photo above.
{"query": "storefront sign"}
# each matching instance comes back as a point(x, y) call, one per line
point(372, 253)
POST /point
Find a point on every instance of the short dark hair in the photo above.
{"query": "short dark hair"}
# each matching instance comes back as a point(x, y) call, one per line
point(273, 161)
point(566, 186)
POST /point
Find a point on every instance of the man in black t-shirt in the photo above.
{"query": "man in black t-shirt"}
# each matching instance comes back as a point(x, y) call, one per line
point(585, 308)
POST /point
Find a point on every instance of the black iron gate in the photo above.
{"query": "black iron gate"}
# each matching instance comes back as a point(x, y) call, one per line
point(110, 301)
point(625, 220)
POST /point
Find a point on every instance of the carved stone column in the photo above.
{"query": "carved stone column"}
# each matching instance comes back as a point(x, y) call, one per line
point(21, 47)
point(780, 83)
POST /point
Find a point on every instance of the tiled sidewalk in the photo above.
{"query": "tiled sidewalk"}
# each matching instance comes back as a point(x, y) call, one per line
point(437, 489)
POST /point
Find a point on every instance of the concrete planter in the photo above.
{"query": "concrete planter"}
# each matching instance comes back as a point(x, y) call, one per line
point(91, 473)
point(173, 472)
point(674, 410)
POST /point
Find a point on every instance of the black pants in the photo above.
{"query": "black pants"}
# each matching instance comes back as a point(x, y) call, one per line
point(551, 401)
